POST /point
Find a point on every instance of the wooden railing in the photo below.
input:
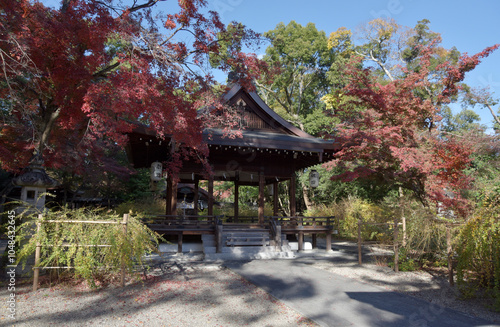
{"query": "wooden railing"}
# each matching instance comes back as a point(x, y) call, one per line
point(186, 221)
point(277, 225)
point(311, 222)
point(244, 220)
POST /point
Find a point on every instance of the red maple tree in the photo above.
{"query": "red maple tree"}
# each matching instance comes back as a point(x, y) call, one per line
point(389, 131)
point(73, 79)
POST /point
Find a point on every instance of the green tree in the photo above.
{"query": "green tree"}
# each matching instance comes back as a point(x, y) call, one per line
point(302, 58)
point(465, 120)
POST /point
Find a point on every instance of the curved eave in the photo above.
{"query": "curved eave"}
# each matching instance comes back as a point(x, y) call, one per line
point(267, 140)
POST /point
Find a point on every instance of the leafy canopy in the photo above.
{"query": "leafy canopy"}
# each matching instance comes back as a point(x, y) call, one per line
point(74, 78)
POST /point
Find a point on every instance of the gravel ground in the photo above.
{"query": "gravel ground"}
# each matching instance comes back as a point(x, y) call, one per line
point(188, 294)
point(194, 293)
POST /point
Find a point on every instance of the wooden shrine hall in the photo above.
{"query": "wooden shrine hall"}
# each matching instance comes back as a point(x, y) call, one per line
point(269, 151)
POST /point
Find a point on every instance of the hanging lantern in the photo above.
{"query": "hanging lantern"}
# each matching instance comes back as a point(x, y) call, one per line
point(314, 179)
point(270, 189)
point(156, 171)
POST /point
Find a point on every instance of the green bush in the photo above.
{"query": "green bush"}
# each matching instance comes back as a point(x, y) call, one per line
point(349, 210)
point(146, 206)
point(89, 261)
point(478, 250)
point(405, 261)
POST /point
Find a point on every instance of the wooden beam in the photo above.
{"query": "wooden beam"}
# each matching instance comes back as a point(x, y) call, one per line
point(262, 183)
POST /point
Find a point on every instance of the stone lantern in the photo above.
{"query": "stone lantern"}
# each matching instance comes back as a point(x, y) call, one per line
point(34, 182)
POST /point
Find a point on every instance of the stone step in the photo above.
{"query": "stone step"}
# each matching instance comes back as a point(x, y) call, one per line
point(246, 243)
point(209, 249)
point(248, 256)
point(245, 232)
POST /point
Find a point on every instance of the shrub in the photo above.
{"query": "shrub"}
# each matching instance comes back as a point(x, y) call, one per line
point(349, 210)
point(89, 261)
point(146, 206)
point(478, 250)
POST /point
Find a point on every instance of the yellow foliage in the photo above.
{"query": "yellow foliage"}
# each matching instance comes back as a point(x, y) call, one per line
point(340, 38)
point(332, 100)
point(383, 28)
point(347, 213)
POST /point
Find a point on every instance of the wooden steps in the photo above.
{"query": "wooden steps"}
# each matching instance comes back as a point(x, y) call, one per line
point(245, 236)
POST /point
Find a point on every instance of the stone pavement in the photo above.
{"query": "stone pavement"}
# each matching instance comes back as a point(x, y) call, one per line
point(334, 300)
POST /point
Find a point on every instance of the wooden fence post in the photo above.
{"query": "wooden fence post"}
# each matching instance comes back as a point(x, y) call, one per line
point(449, 251)
point(179, 242)
point(329, 235)
point(396, 246)
point(405, 236)
point(36, 272)
point(360, 260)
point(278, 236)
point(218, 238)
point(124, 222)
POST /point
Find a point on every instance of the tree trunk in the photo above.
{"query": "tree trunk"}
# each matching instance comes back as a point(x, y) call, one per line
point(307, 200)
point(50, 118)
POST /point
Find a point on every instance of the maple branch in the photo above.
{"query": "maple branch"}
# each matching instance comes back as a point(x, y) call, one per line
point(49, 123)
point(102, 72)
point(148, 4)
point(495, 117)
point(177, 30)
point(378, 62)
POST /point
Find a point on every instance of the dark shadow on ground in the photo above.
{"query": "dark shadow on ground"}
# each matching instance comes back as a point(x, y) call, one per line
point(156, 298)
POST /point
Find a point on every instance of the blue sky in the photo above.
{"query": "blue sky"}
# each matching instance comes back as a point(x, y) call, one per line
point(468, 25)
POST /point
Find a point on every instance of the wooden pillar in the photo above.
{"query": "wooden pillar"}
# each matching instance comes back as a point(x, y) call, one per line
point(329, 241)
point(168, 197)
point(210, 195)
point(293, 199)
point(275, 198)
point(314, 241)
point(262, 183)
point(173, 199)
point(196, 195)
point(236, 200)
point(179, 242)
point(301, 241)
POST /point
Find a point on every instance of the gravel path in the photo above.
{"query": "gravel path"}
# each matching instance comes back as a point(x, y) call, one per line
point(419, 284)
point(428, 286)
point(193, 294)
